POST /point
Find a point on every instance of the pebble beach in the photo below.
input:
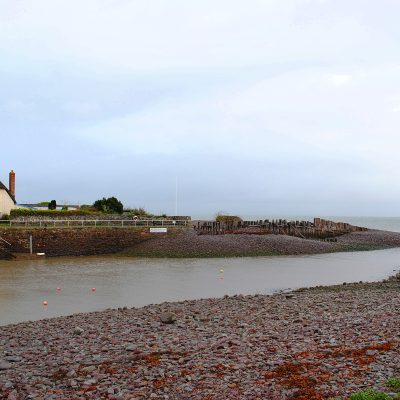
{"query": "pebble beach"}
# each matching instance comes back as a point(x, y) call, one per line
point(315, 343)
point(190, 244)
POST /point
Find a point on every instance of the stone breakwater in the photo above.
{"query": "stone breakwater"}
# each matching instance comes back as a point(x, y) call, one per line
point(241, 245)
point(309, 344)
point(318, 229)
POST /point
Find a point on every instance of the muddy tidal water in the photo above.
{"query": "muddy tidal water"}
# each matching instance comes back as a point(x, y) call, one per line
point(67, 284)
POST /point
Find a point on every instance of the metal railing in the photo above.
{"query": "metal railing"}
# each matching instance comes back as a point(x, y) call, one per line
point(94, 223)
point(5, 241)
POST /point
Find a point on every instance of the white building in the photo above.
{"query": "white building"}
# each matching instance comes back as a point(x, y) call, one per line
point(7, 196)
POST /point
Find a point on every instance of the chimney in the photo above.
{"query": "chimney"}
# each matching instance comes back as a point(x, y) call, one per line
point(12, 184)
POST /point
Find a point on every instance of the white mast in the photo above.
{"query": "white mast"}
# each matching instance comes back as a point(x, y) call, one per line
point(176, 196)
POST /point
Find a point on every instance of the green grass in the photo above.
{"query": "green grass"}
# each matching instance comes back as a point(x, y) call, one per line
point(370, 395)
point(394, 384)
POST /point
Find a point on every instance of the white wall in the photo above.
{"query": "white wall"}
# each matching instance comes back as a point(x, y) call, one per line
point(6, 203)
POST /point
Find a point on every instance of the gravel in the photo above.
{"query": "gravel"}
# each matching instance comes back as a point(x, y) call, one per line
point(192, 245)
point(312, 344)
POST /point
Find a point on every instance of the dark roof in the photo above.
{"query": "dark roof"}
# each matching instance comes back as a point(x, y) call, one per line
point(5, 188)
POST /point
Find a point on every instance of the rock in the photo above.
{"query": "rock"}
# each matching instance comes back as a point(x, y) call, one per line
point(73, 383)
point(90, 382)
point(13, 395)
point(71, 373)
point(78, 331)
point(289, 295)
point(13, 359)
point(167, 318)
point(4, 365)
point(89, 369)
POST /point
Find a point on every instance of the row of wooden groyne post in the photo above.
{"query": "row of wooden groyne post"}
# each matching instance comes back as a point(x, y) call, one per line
point(318, 229)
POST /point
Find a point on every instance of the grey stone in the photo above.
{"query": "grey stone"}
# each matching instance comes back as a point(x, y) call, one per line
point(13, 358)
point(4, 365)
point(167, 318)
point(78, 331)
point(89, 369)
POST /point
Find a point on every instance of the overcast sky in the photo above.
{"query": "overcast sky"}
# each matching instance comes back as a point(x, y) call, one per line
point(259, 107)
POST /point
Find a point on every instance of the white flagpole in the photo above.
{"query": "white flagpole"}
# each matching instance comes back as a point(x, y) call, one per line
point(176, 196)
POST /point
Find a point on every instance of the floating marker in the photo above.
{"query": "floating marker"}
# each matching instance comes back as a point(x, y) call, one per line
point(221, 270)
point(93, 289)
point(45, 303)
point(58, 289)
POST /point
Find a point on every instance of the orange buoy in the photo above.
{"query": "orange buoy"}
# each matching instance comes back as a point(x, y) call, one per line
point(93, 289)
point(45, 303)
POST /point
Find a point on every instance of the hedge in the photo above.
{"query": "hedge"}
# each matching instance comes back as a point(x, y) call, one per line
point(26, 212)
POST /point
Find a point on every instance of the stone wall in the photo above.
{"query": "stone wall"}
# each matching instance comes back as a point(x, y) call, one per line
point(78, 242)
point(88, 217)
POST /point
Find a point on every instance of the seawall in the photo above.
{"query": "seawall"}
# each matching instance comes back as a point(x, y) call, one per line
point(78, 242)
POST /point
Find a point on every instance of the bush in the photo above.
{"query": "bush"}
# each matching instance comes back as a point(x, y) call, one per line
point(87, 207)
point(27, 212)
point(140, 212)
point(52, 205)
point(370, 395)
point(227, 218)
point(110, 205)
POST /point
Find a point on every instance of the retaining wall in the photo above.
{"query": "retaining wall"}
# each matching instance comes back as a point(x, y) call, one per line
point(78, 242)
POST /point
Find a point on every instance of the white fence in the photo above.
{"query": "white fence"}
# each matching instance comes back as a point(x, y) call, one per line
point(82, 223)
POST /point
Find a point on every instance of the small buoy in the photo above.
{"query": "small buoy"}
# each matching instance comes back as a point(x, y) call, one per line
point(221, 270)
point(45, 303)
point(58, 289)
point(93, 289)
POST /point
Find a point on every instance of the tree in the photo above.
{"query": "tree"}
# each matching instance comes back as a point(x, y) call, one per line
point(110, 205)
point(52, 205)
